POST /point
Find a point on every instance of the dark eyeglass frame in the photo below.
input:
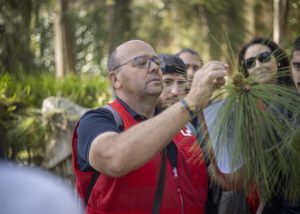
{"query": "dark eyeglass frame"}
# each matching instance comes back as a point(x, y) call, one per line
point(140, 64)
point(296, 65)
point(263, 57)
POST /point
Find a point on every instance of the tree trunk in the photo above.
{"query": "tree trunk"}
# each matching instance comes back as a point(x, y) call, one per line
point(2, 150)
point(64, 59)
point(120, 23)
point(280, 8)
point(15, 33)
point(28, 149)
point(250, 19)
point(26, 56)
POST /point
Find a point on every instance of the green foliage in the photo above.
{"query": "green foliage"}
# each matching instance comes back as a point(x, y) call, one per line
point(146, 19)
point(84, 90)
point(199, 23)
point(90, 27)
point(23, 127)
point(261, 120)
point(168, 25)
point(25, 137)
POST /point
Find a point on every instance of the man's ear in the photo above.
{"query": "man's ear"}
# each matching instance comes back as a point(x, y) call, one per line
point(114, 78)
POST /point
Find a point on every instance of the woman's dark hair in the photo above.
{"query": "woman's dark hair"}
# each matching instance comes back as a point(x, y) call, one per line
point(283, 66)
point(296, 46)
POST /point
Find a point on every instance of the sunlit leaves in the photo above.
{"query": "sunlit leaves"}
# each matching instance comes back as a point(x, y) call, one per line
point(24, 130)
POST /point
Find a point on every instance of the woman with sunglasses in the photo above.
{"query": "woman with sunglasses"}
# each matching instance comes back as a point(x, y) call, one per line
point(265, 60)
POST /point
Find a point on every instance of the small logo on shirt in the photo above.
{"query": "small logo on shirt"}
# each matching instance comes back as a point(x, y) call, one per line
point(186, 132)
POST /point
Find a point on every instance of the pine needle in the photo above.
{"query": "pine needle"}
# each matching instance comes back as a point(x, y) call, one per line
point(257, 122)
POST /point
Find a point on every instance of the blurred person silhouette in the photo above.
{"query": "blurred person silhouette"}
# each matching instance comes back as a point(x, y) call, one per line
point(25, 190)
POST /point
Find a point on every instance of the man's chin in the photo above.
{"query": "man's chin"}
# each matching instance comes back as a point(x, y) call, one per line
point(155, 91)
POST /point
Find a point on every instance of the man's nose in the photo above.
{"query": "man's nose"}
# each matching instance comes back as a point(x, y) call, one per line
point(257, 63)
point(153, 67)
point(174, 89)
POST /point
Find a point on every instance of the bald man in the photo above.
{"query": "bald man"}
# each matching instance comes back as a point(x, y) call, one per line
point(128, 158)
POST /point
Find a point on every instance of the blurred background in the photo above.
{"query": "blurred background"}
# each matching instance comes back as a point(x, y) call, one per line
point(53, 57)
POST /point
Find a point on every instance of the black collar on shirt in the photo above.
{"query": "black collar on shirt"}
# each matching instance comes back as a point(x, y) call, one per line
point(133, 113)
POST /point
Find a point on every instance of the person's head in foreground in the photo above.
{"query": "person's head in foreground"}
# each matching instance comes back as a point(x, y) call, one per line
point(33, 191)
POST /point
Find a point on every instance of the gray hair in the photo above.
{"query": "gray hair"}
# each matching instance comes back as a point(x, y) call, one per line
point(112, 61)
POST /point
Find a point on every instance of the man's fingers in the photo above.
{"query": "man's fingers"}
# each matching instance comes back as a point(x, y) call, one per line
point(216, 76)
point(219, 82)
point(214, 72)
point(215, 65)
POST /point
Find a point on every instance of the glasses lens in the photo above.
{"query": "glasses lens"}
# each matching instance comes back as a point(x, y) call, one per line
point(144, 61)
point(140, 62)
point(264, 57)
point(156, 60)
point(250, 62)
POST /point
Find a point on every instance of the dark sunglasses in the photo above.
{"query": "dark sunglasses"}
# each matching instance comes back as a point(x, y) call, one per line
point(141, 62)
point(262, 57)
point(296, 65)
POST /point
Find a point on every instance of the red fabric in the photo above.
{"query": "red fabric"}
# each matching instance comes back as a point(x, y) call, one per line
point(252, 198)
point(82, 178)
point(134, 193)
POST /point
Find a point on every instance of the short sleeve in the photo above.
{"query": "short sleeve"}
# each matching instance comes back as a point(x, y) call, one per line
point(92, 124)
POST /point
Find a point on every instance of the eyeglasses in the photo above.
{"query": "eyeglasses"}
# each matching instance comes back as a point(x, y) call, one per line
point(140, 62)
point(262, 57)
point(296, 65)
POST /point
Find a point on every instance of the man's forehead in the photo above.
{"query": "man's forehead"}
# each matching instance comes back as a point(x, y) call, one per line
point(189, 58)
point(133, 49)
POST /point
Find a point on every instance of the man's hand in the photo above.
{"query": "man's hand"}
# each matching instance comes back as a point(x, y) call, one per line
point(210, 76)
